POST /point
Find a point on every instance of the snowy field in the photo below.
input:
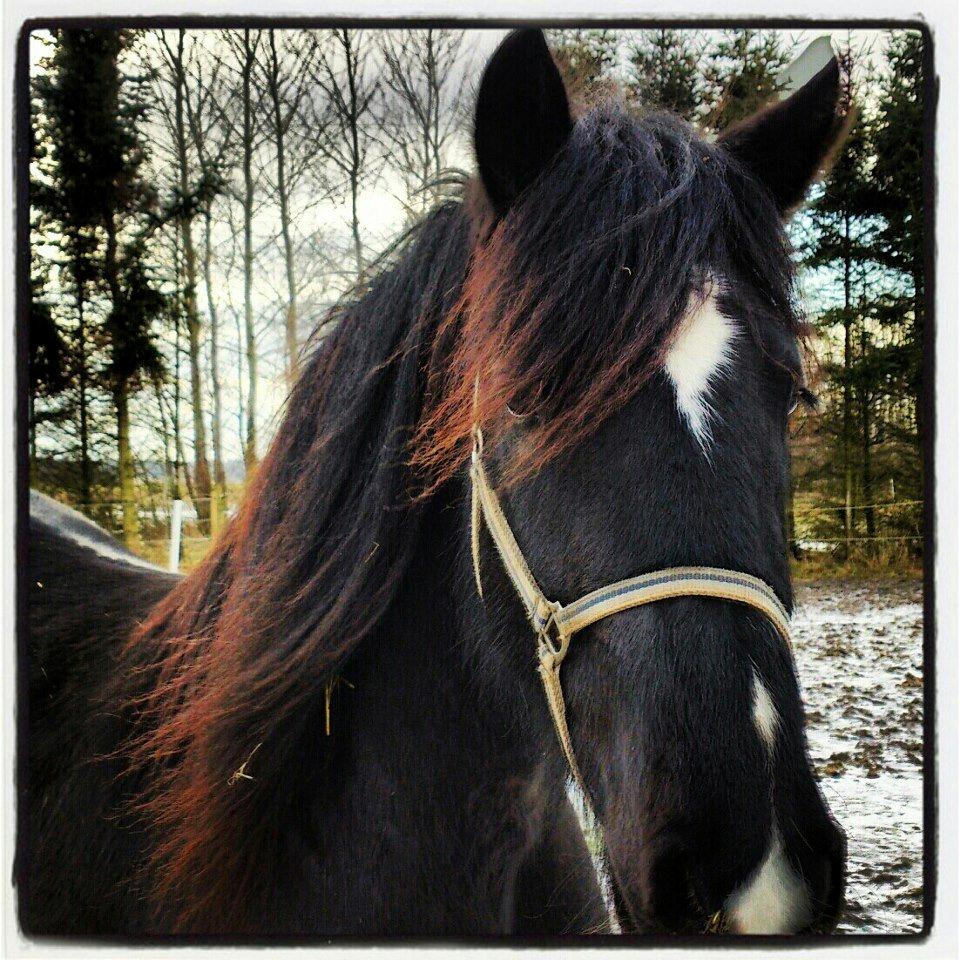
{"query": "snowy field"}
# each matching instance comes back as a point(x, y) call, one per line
point(859, 655)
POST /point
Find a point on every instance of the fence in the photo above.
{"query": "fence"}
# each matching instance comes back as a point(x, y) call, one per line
point(878, 538)
point(175, 534)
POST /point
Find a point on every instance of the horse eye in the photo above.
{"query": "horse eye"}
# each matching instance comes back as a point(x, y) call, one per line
point(801, 394)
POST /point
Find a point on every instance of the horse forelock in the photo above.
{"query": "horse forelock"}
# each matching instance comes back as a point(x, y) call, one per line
point(574, 298)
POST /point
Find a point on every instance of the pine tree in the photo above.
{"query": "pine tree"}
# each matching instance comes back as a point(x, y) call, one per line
point(741, 74)
point(664, 72)
point(66, 217)
point(897, 197)
point(837, 230)
point(102, 201)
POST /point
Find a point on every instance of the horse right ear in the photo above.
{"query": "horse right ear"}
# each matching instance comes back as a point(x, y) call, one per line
point(522, 119)
point(787, 144)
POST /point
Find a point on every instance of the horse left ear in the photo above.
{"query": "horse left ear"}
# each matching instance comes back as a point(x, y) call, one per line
point(522, 118)
point(787, 144)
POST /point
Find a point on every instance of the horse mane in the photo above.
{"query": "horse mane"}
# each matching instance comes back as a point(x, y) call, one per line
point(561, 309)
point(239, 653)
point(572, 302)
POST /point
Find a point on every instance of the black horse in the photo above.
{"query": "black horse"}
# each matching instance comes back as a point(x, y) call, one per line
point(324, 730)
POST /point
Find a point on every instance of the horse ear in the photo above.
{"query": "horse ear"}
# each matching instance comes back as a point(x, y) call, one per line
point(522, 118)
point(787, 144)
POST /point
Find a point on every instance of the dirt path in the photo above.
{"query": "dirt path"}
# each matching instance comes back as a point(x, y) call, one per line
point(859, 655)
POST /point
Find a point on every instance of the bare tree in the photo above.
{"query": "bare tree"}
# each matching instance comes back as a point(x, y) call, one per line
point(172, 98)
point(422, 108)
point(294, 131)
point(211, 137)
point(245, 45)
point(344, 74)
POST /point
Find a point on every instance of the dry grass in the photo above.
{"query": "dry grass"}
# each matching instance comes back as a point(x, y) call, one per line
point(892, 560)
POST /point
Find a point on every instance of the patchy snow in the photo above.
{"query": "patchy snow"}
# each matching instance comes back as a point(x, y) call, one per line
point(859, 653)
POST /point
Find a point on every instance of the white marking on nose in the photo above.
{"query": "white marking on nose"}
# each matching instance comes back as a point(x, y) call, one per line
point(774, 899)
point(701, 349)
point(765, 716)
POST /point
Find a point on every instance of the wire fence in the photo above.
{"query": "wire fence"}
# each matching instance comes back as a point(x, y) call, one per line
point(179, 536)
point(865, 537)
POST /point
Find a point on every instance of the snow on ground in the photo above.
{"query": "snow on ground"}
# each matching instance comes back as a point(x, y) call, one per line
point(858, 647)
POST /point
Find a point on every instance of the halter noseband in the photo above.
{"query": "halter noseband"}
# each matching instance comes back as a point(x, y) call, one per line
point(555, 623)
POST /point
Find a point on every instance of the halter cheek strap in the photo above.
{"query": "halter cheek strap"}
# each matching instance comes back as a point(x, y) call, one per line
point(554, 624)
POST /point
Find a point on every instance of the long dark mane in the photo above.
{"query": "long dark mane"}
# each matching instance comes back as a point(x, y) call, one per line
point(572, 302)
point(564, 309)
point(304, 573)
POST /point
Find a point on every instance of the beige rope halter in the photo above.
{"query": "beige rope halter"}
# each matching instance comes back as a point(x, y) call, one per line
point(554, 623)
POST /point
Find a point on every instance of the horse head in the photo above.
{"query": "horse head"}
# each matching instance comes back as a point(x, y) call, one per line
point(628, 341)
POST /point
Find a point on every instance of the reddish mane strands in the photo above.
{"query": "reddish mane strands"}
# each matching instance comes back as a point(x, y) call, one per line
point(563, 311)
point(572, 300)
point(238, 654)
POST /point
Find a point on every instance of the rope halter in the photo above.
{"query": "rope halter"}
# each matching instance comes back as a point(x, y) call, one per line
point(554, 623)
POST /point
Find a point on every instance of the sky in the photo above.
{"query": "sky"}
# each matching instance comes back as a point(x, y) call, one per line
point(382, 215)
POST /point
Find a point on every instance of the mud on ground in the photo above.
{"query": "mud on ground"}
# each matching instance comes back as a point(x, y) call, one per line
point(859, 647)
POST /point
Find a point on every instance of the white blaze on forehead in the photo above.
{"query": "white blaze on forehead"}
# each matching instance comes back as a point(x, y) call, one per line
point(774, 899)
point(701, 349)
point(765, 716)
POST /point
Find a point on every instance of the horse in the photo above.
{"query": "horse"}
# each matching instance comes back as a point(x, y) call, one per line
point(327, 729)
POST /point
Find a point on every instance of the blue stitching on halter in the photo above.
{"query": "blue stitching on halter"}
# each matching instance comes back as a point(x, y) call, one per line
point(577, 609)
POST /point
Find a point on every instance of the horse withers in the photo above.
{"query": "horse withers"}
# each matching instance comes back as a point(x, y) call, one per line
point(325, 729)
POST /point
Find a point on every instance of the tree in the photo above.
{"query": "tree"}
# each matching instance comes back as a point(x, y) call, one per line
point(47, 358)
point(861, 242)
point(840, 229)
point(209, 90)
point(344, 74)
point(66, 209)
point(586, 59)
point(245, 48)
point(95, 114)
point(423, 109)
point(664, 71)
point(295, 137)
point(127, 208)
point(172, 93)
point(741, 74)
point(897, 196)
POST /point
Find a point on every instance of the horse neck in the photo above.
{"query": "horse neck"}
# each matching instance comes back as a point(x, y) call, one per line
point(438, 780)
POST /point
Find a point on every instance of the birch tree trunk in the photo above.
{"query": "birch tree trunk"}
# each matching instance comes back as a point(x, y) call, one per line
point(201, 465)
point(246, 72)
point(280, 125)
point(218, 493)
